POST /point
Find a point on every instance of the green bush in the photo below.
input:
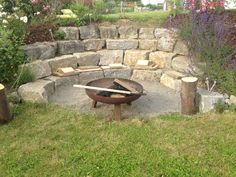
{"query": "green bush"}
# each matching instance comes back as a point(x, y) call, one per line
point(11, 55)
point(86, 13)
point(59, 35)
point(206, 46)
point(79, 9)
point(221, 106)
point(24, 76)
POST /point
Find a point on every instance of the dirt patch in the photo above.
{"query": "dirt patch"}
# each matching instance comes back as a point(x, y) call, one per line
point(39, 33)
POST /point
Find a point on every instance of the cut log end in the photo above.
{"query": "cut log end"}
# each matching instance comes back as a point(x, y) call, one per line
point(190, 79)
point(2, 87)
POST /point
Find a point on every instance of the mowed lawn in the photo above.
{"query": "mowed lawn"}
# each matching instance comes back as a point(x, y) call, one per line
point(46, 140)
point(140, 18)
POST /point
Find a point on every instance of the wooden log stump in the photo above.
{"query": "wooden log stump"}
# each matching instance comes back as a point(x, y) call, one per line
point(5, 115)
point(188, 95)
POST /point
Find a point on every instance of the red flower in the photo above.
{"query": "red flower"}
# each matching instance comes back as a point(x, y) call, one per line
point(212, 4)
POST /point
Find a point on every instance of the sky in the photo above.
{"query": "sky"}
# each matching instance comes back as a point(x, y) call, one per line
point(145, 2)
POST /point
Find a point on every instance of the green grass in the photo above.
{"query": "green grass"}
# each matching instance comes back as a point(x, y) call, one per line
point(46, 140)
point(141, 18)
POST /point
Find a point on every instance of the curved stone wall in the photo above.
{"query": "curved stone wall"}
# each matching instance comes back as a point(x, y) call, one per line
point(99, 46)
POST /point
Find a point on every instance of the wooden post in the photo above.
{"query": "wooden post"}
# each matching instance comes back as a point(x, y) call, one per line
point(117, 112)
point(5, 114)
point(188, 95)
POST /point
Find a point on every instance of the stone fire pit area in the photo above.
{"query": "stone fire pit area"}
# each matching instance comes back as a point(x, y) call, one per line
point(100, 46)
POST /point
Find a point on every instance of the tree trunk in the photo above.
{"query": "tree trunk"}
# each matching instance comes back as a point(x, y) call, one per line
point(188, 95)
point(5, 114)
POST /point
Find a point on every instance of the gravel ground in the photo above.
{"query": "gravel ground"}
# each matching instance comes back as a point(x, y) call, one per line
point(159, 100)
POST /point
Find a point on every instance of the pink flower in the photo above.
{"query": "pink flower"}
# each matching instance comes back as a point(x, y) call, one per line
point(34, 1)
point(46, 7)
point(212, 4)
point(222, 3)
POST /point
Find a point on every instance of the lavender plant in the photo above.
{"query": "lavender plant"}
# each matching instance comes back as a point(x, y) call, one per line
point(212, 39)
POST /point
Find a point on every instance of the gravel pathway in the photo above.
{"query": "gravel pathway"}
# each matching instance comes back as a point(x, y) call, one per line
point(159, 100)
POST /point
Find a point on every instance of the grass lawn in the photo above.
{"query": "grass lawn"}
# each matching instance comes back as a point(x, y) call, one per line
point(140, 18)
point(46, 140)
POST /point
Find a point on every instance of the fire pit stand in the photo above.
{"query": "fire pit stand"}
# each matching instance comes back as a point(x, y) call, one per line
point(116, 101)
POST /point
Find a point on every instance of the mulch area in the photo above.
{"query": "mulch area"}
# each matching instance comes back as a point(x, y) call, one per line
point(39, 33)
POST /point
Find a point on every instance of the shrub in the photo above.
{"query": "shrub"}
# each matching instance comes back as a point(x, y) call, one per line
point(24, 76)
point(11, 56)
point(221, 106)
point(59, 35)
point(208, 39)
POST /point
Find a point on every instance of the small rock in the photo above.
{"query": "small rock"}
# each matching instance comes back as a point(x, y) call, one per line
point(232, 100)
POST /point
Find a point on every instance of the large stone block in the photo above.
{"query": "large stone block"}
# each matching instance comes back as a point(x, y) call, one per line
point(181, 64)
point(118, 73)
point(172, 79)
point(123, 44)
point(166, 39)
point(40, 51)
point(162, 59)
point(132, 56)
point(86, 77)
point(110, 56)
point(39, 68)
point(63, 81)
point(38, 91)
point(148, 45)
point(62, 61)
point(207, 100)
point(146, 33)
point(181, 48)
point(94, 44)
point(128, 32)
point(70, 47)
point(89, 32)
point(72, 33)
point(147, 75)
point(110, 32)
point(87, 58)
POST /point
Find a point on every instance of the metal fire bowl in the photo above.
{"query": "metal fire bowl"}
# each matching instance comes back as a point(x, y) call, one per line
point(106, 83)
